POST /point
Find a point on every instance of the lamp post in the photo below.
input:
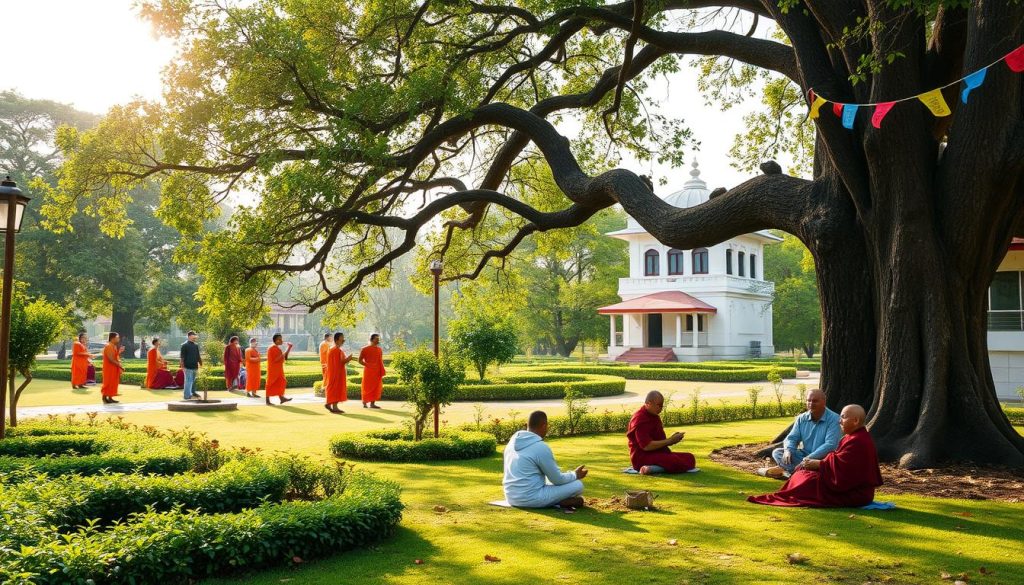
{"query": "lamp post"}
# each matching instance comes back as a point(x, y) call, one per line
point(12, 210)
point(435, 268)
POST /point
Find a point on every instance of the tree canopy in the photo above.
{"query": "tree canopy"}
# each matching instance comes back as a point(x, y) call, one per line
point(363, 124)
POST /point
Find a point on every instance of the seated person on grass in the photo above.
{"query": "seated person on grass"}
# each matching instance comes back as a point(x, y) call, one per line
point(529, 461)
point(814, 434)
point(648, 447)
point(846, 477)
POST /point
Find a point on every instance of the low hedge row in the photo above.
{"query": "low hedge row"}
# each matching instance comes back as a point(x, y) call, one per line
point(676, 373)
point(617, 422)
point(183, 546)
point(398, 445)
point(45, 448)
point(526, 387)
point(1016, 415)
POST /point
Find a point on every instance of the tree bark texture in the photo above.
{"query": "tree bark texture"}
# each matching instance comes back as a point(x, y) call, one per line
point(122, 320)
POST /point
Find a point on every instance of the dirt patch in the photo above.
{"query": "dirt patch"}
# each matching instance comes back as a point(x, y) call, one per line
point(970, 482)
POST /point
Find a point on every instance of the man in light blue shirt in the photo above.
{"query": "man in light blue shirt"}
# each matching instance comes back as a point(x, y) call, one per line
point(815, 433)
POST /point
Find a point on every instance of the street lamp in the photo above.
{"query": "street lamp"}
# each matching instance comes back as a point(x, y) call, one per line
point(435, 268)
point(12, 210)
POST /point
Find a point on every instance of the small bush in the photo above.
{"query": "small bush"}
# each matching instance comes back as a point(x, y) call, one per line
point(398, 445)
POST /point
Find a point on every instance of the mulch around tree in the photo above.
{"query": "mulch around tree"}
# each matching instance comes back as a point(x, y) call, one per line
point(965, 481)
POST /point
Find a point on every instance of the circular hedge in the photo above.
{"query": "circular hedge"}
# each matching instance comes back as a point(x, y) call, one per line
point(398, 445)
point(246, 512)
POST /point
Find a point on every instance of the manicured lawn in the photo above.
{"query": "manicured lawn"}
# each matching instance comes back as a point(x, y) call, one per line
point(720, 538)
point(56, 392)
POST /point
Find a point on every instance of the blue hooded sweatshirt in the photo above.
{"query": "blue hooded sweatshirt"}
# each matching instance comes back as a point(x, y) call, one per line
point(528, 460)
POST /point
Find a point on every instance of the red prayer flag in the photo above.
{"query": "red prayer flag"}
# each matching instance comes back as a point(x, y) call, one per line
point(880, 111)
point(837, 109)
point(1016, 59)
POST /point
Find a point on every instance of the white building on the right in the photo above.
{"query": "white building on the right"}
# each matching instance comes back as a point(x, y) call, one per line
point(1006, 323)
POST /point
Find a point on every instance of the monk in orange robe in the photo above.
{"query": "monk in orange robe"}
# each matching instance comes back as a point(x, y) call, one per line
point(845, 478)
point(252, 369)
point(111, 368)
point(337, 386)
point(371, 358)
point(325, 346)
point(276, 356)
point(80, 358)
point(157, 375)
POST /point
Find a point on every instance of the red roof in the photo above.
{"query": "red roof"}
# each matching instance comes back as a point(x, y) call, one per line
point(671, 301)
point(1017, 244)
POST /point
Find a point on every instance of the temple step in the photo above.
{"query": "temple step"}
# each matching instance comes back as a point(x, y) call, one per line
point(641, 355)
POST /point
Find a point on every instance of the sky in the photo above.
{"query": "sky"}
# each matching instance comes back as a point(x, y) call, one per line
point(94, 54)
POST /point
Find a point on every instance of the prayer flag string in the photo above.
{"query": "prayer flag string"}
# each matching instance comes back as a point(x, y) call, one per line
point(932, 99)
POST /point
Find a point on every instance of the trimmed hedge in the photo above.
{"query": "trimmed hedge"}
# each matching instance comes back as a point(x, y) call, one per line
point(675, 373)
point(1015, 414)
point(520, 386)
point(397, 445)
point(56, 450)
point(617, 422)
point(122, 528)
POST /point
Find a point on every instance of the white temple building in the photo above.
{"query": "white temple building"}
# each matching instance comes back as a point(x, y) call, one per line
point(692, 305)
point(1006, 323)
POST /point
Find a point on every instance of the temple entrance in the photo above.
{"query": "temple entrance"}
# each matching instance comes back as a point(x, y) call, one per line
point(654, 330)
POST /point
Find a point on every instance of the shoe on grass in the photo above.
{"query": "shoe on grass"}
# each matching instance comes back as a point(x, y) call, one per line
point(772, 472)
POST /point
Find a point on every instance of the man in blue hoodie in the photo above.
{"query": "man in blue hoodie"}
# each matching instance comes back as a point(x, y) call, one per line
point(528, 461)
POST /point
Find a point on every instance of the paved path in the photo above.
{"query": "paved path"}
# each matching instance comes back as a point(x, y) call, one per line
point(635, 389)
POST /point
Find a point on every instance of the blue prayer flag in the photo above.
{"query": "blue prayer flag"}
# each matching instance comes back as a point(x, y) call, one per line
point(972, 81)
point(849, 114)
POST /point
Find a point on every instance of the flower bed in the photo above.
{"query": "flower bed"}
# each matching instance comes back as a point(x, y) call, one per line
point(398, 445)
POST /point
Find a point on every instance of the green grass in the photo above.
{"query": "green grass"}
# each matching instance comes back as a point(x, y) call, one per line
point(55, 392)
point(720, 537)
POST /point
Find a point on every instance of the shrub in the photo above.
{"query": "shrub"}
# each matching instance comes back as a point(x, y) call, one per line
point(430, 381)
point(484, 339)
point(680, 372)
point(398, 445)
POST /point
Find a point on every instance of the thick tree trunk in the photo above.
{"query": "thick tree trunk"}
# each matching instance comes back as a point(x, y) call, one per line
point(122, 320)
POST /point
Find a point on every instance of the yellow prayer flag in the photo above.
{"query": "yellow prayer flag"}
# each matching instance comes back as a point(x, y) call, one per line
point(935, 102)
point(816, 105)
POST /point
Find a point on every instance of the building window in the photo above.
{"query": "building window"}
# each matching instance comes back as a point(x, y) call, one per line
point(753, 266)
point(728, 261)
point(651, 263)
point(1004, 304)
point(675, 261)
point(689, 323)
point(740, 259)
point(700, 261)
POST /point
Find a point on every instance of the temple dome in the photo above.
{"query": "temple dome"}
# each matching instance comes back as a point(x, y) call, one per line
point(694, 192)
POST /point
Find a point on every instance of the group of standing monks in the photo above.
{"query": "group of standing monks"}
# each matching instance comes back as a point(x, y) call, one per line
point(822, 470)
point(333, 362)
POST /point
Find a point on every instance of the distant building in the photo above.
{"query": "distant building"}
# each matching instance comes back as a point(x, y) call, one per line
point(1006, 323)
point(692, 305)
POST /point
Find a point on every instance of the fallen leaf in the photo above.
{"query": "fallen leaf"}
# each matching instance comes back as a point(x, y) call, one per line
point(832, 534)
point(852, 516)
point(491, 559)
point(673, 542)
point(959, 582)
point(796, 558)
point(963, 514)
point(724, 557)
point(418, 562)
point(984, 571)
point(296, 560)
point(440, 509)
point(945, 576)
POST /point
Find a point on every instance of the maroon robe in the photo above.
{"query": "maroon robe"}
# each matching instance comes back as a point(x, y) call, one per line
point(232, 365)
point(846, 478)
point(645, 427)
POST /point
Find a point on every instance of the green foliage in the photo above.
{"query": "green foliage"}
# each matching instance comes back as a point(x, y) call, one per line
point(796, 310)
point(35, 325)
point(484, 340)
point(398, 445)
point(679, 372)
point(429, 381)
point(213, 352)
point(576, 407)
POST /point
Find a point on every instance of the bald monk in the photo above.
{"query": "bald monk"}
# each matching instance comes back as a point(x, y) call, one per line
point(253, 376)
point(157, 374)
point(276, 356)
point(325, 346)
point(336, 383)
point(371, 358)
point(532, 478)
point(649, 447)
point(111, 368)
point(80, 358)
point(845, 478)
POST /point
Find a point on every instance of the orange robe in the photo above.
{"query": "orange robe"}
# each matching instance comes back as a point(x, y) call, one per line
point(157, 375)
point(111, 370)
point(252, 369)
point(275, 372)
point(337, 387)
point(79, 364)
point(325, 348)
point(373, 372)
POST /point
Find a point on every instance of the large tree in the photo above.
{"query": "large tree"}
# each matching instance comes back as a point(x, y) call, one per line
point(343, 113)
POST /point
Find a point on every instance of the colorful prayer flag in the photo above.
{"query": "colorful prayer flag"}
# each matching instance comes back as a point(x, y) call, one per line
point(935, 102)
point(837, 109)
point(1016, 60)
point(880, 111)
point(816, 105)
point(972, 81)
point(849, 115)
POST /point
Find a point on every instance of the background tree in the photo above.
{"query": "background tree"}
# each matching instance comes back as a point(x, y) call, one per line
point(484, 339)
point(35, 325)
point(452, 97)
point(796, 312)
point(428, 381)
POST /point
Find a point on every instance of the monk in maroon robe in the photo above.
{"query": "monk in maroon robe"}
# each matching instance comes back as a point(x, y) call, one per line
point(845, 478)
point(648, 445)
